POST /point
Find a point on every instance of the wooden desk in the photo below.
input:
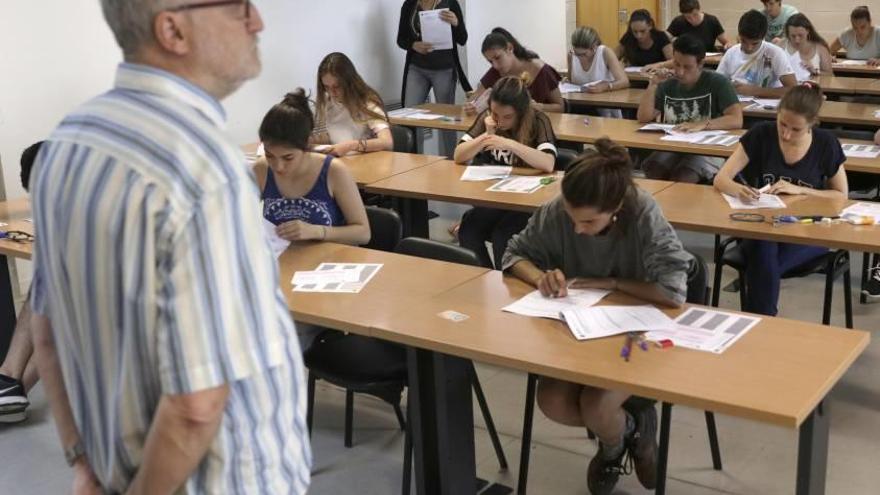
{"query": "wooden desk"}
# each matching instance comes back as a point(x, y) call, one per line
point(856, 70)
point(779, 373)
point(831, 84)
point(713, 216)
point(13, 213)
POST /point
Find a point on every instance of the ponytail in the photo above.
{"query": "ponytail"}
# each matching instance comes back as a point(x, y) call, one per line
point(805, 99)
point(499, 38)
point(600, 178)
point(289, 122)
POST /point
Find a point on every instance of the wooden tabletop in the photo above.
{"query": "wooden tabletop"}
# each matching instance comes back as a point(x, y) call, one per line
point(13, 213)
point(401, 281)
point(713, 216)
point(831, 83)
point(777, 373)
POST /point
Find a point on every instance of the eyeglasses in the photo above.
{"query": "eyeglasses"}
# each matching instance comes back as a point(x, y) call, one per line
point(218, 3)
point(17, 236)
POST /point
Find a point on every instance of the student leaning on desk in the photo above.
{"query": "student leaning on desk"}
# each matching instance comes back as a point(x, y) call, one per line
point(602, 232)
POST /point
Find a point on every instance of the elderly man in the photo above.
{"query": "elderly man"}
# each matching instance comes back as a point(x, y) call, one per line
point(171, 364)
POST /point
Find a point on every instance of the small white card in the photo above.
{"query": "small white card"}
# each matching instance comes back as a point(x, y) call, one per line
point(453, 316)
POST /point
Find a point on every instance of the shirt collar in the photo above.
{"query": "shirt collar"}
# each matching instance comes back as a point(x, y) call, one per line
point(147, 79)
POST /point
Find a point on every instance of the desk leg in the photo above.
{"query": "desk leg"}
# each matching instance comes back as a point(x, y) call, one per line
point(7, 308)
point(813, 451)
point(443, 424)
point(663, 448)
point(414, 213)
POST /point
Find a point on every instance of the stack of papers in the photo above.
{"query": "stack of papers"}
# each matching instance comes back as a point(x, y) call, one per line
point(347, 278)
point(770, 201)
point(717, 137)
point(534, 304)
point(276, 243)
point(477, 173)
point(518, 184)
point(704, 329)
point(634, 68)
point(565, 88)
point(861, 150)
point(862, 209)
point(604, 321)
point(435, 30)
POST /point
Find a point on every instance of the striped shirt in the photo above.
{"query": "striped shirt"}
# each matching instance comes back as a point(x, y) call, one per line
point(153, 269)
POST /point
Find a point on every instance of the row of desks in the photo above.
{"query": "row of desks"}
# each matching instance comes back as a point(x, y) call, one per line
point(832, 84)
point(863, 71)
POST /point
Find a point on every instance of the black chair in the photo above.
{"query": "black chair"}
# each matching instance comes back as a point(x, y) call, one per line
point(404, 140)
point(697, 292)
point(833, 265)
point(427, 248)
point(385, 228)
point(564, 158)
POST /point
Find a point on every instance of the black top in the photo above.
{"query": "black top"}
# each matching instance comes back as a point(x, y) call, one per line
point(707, 31)
point(637, 56)
point(410, 31)
point(767, 165)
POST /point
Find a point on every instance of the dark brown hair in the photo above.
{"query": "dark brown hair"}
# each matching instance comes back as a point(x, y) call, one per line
point(601, 179)
point(860, 12)
point(289, 122)
point(356, 94)
point(500, 37)
point(801, 21)
point(514, 92)
point(688, 6)
point(805, 100)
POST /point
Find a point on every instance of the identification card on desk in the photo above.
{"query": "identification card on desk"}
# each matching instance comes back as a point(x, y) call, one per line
point(453, 316)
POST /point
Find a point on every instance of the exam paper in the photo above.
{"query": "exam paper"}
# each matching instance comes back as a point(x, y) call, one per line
point(713, 54)
point(862, 209)
point(518, 184)
point(353, 282)
point(767, 103)
point(324, 277)
point(771, 201)
point(633, 69)
point(697, 137)
point(851, 62)
point(404, 112)
point(435, 30)
point(566, 87)
point(485, 172)
point(705, 329)
point(861, 150)
point(534, 304)
point(276, 243)
point(657, 127)
point(604, 321)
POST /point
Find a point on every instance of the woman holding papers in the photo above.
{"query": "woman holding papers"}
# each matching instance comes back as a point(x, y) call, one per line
point(510, 132)
point(509, 58)
point(807, 51)
point(350, 114)
point(862, 40)
point(790, 156)
point(602, 232)
point(594, 67)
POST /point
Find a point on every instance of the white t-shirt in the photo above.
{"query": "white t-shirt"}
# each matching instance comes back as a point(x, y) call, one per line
point(797, 63)
point(762, 68)
point(871, 49)
point(341, 126)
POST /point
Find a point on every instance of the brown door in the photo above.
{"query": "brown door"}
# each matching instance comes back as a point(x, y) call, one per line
point(610, 17)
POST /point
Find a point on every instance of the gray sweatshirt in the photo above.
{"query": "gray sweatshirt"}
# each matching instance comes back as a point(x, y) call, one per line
point(643, 247)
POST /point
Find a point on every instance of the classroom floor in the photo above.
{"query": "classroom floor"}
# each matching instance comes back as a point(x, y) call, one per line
point(758, 459)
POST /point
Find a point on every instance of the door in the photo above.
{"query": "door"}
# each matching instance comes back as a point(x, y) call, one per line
point(610, 17)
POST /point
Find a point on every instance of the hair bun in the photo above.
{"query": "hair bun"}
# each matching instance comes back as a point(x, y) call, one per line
point(615, 154)
point(296, 98)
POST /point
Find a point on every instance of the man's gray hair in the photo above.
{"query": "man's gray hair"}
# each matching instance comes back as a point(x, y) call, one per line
point(132, 21)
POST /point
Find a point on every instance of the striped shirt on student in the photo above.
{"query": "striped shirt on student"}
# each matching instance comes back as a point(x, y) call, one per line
point(152, 267)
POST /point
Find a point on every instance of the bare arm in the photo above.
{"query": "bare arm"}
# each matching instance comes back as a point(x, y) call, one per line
point(467, 150)
point(647, 291)
point(835, 46)
point(344, 190)
point(788, 81)
point(725, 43)
point(838, 188)
point(616, 68)
point(647, 111)
point(732, 118)
point(540, 160)
point(183, 428)
point(619, 51)
point(825, 60)
point(555, 105)
point(667, 51)
point(725, 179)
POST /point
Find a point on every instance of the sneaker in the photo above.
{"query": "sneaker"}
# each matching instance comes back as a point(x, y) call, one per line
point(602, 474)
point(642, 446)
point(13, 400)
point(871, 290)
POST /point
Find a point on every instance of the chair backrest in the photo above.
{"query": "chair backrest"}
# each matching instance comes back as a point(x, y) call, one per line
point(698, 280)
point(564, 158)
point(404, 141)
point(435, 250)
point(386, 228)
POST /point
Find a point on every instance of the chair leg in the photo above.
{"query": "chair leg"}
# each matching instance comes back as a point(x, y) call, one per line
point(713, 440)
point(400, 419)
point(663, 451)
point(847, 294)
point(743, 290)
point(310, 403)
point(866, 262)
point(829, 291)
point(526, 448)
point(487, 417)
point(716, 281)
point(349, 416)
point(407, 456)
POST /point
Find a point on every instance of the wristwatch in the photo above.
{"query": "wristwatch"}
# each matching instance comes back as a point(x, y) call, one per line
point(73, 453)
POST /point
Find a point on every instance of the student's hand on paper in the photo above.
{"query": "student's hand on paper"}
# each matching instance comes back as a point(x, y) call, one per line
point(422, 47)
point(785, 187)
point(450, 17)
point(491, 125)
point(873, 62)
point(746, 194)
point(342, 149)
point(602, 87)
point(297, 230)
point(553, 284)
point(691, 126)
point(593, 283)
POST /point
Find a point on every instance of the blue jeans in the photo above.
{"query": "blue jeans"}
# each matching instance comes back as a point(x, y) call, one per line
point(766, 262)
point(419, 82)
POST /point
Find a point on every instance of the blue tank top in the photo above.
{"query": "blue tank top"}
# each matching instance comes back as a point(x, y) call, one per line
point(317, 207)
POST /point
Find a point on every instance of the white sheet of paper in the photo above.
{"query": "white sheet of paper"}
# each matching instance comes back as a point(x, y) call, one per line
point(536, 305)
point(713, 54)
point(565, 88)
point(862, 209)
point(425, 116)
point(767, 103)
point(604, 321)
point(705, 329)
point(745, 99)
point(361, 274)
point(861, 150)
point(517, 184)
point(485, 172)
point(435, 30)
point(851, 62)
point(691, 137)
point(633, 69)
point(770, 201)
point(657, 127)
point(324, 277)
point(719, 140)
point(404, 112)
point(277, 244)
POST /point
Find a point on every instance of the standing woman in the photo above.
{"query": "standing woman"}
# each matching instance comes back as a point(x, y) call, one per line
point(644, 45)
point(806, 49)
point(426, 68)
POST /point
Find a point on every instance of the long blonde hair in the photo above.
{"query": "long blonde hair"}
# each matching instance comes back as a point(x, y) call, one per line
point(356, 94)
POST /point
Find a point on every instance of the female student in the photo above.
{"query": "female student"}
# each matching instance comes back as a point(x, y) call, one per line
point(510, 132)
point(426, 68)
point(806, 49)
point(644, 45)
point(509, 58)
point(593, 64)
point(862, 40)
point(793, 157)
point(602, 232)
point(350, 114)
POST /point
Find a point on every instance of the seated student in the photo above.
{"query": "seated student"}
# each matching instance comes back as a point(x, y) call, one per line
point(808, 53)
point(350, 114)
point(695, 99)
point(602, 232)
point(509, 58)
point(756, 67)
point(705, 27)
point(862, 40)
point(18, 372)
point(510, 132)
point(591, 62)
point(794, 157)
point(643, 45)
point(777, 15)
